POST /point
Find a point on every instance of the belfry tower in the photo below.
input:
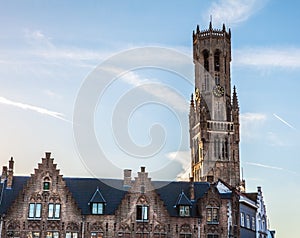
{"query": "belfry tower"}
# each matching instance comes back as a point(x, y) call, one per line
point(214, 111)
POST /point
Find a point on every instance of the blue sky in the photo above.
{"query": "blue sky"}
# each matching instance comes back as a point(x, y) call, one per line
point(49, 48)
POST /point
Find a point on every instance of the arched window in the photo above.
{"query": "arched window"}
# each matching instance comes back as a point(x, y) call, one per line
point(217, 60)
point(206, 59)
point(46, 184)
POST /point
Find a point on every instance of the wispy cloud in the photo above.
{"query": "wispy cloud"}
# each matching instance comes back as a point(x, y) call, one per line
point(233, 12)
point(165, 93)
point(251, 124)
point(183, 157)
point(268, 57)
point(40, 110)
point(270, 167)
point(283, 121)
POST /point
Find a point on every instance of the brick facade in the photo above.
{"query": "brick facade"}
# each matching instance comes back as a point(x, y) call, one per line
point(24, 218)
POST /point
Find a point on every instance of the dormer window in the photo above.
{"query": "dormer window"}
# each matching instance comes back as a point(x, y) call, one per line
point(184, 211)
point(97, 208)
point(97, 203)
point(183, 205)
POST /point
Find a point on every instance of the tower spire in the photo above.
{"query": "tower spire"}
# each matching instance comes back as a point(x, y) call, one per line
point(235, 102)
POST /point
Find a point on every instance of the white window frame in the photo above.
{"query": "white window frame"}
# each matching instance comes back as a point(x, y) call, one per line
point(144, 213)
point(97, 208)
point(35, 211)
point(54, 210)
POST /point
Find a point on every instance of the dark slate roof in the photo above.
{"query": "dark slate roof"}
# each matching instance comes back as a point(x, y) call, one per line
point(112, 192)
point(97, 197)
point(83, 189)
point(183, 200)
point(169, 192)
point(7, 196)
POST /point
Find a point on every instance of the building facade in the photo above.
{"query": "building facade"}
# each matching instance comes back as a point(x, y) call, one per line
point(46, 205)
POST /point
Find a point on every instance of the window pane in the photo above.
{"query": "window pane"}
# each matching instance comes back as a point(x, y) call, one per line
point(100, 208)
point(139, 212)
point(68, 235)
point(38, 209)
point(46, 185)
point(57, 211)
point(50, 210)
point(187, 210)
point(55, 234)
point(94, 208)
point(49, 234)
point(31, 210)
point(145, 213)
point(215, 215)
point(209, 215)
point(75, 235)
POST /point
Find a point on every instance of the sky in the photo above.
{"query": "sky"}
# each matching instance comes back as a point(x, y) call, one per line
point(51, 57)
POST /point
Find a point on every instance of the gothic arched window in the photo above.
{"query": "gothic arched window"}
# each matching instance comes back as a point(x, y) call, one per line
point(217, 60)
point(206, 59)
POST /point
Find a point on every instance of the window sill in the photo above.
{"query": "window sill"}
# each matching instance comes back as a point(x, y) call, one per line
point(212, 222)
point(34, 218)
point(53, 219)
point(142, 220)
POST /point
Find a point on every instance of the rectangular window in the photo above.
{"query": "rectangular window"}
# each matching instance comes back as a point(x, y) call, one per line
point(185, 236)
point(35, 210)
point(33, 234)
point(212, 215)
point(184, 211)
point(96, 235)
point(46, 186)
point(52, 234)
point(72, 235)
point(248, 221)
point(97, 208)
point(124, 235)
point(242, 219)
point(212, 236)
point(53, 211)
point(142, 213)
point(253, 224)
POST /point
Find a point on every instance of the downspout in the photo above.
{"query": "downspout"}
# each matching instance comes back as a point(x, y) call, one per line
point(82, 230)
point(2, 215)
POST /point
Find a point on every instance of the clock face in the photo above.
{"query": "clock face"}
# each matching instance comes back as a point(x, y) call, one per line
point(218, 91)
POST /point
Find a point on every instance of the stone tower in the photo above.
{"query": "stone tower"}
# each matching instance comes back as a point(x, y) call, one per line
point(214, 111)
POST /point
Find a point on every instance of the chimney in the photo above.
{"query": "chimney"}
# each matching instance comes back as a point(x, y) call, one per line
point(4, 174)
point(10, 173)
point(210, 178)
point(192, 189)
point(48, 154)
point(127, 178)
point(259, 189)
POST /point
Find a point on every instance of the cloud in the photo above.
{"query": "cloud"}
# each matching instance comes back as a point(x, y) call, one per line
point(269, 167)
point(233, 12)
point(166, 93)
point(184, 158)
point(283, 121)
point(40, 110)
point(251, 124)
point(268, 57)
